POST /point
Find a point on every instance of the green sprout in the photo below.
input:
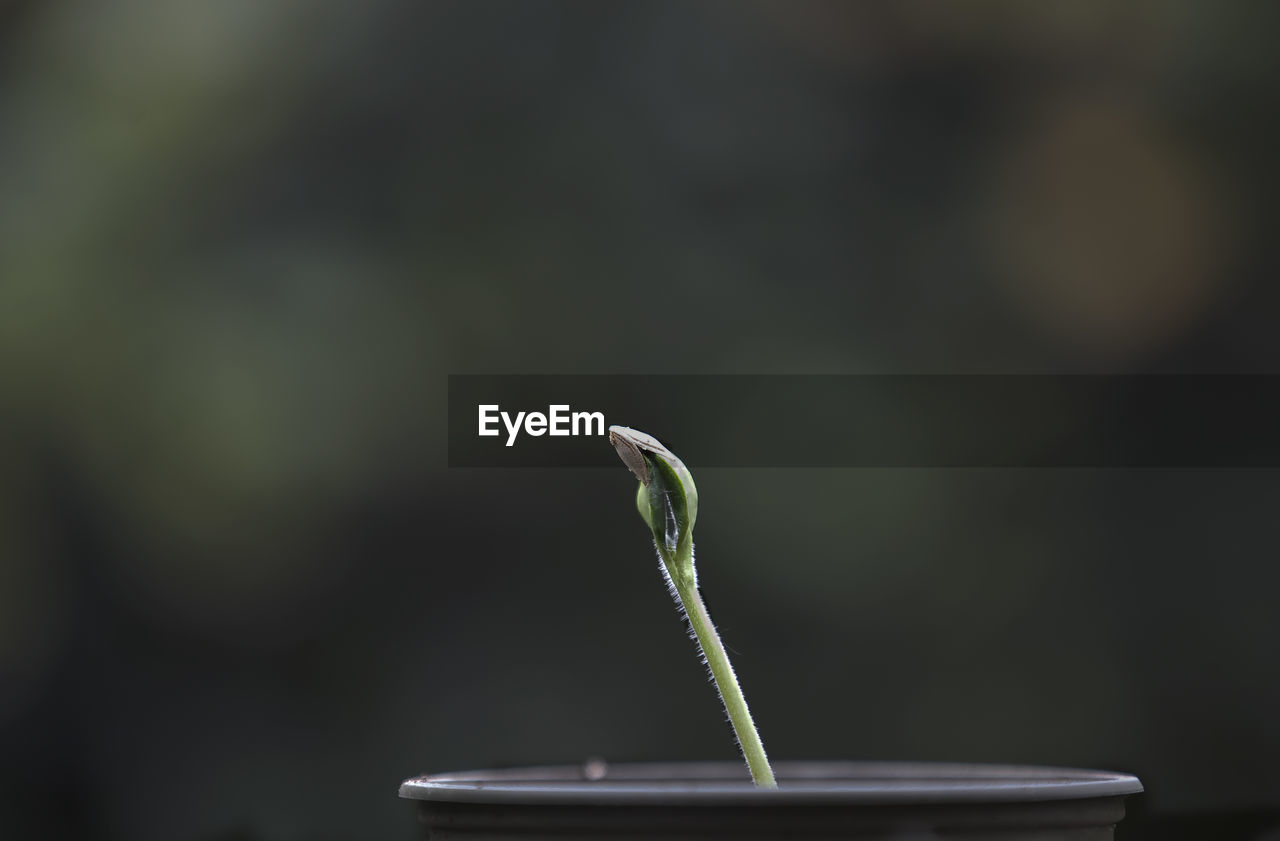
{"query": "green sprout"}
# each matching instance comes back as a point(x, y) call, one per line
point(668, 502)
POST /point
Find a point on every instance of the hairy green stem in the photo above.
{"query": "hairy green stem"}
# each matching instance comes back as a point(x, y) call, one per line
point(667, 500)
point(717, 659)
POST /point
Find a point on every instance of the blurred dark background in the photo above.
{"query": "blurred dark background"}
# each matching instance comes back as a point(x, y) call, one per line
point(242, 244)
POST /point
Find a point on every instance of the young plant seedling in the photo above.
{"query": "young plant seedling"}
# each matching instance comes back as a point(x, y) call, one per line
point(668, 502)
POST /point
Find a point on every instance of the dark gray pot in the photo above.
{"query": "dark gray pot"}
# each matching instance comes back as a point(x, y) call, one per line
point(814, 800)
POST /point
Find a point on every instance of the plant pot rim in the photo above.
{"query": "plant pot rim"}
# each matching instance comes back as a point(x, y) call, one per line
point(800, 783)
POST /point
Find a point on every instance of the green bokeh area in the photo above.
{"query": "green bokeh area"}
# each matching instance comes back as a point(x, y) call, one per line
point(243, 244)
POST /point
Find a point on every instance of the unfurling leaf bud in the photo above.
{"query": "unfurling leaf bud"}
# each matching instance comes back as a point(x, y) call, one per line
point(667, 497)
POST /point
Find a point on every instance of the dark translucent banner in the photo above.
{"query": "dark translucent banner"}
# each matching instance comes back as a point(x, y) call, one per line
point(871, 421)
